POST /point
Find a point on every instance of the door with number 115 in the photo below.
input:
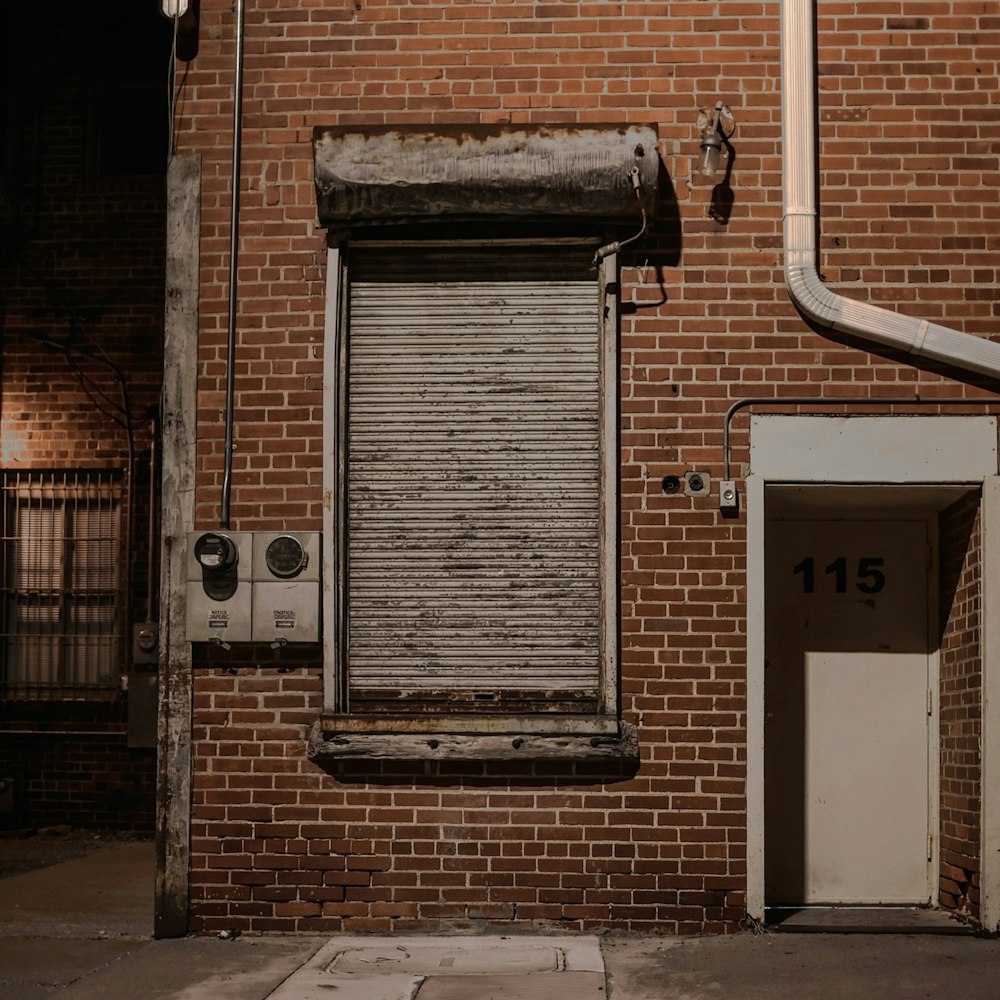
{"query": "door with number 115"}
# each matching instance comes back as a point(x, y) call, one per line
point(847, 741)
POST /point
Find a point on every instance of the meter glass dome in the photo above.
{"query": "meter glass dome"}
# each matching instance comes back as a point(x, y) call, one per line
point(285, 556)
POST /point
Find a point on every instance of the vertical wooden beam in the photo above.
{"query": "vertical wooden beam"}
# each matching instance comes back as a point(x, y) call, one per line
point(179, 430)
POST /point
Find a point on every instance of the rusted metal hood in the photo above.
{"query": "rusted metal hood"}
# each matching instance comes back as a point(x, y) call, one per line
point(407, 174)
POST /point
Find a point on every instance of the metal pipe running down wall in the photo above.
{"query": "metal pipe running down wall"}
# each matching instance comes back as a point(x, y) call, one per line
point(234, 240)
point(958, 350)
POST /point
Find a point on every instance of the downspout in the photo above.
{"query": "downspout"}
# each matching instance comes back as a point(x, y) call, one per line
point(801, 181)
point(234, 246)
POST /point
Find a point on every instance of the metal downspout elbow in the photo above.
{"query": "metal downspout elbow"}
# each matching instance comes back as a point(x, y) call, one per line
point(962, 351)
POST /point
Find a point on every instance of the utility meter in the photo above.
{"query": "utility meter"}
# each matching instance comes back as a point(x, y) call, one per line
point(145, 643)
point(218, 586)
point(286, 590)
point(219, 558)
point(215, 552)
point(285, 557)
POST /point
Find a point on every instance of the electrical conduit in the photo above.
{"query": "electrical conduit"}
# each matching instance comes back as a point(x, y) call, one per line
point(234, 247)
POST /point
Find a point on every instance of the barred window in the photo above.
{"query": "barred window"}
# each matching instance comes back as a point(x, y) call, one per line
point(61, 573)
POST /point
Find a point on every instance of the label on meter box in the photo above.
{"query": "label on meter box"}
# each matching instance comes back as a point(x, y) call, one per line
point(284, 619)
point(218, 619)
point(288, 611)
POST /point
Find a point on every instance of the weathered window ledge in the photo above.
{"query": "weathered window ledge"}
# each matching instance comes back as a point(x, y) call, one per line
point(563, 737)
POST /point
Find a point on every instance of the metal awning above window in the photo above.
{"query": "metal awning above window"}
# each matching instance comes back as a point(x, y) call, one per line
point(394, 174)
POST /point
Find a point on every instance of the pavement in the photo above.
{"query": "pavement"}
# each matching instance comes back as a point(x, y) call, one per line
point(82, 928)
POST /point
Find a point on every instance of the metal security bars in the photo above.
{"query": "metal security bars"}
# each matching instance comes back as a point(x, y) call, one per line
point(61, 630)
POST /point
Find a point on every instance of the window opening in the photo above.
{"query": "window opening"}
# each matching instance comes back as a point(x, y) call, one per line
point(61, 572)
point(474, 560)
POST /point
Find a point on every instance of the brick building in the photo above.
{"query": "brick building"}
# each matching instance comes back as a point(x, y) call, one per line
point(633, 527)
point(82, 210)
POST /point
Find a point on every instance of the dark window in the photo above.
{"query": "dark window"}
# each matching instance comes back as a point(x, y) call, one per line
point(61, 572)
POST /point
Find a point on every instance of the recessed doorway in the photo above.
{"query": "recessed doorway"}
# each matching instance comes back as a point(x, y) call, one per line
point(850, 692)
point(939, 471)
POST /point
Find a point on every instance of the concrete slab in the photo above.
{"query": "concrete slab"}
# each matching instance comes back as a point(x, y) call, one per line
point(308, 984)
point(865, 920)
point(537, 967)
point(199, 969)
point(35, 967)
point(804, 966)
point(107, 894)
point(567, 986)
point(424, 959)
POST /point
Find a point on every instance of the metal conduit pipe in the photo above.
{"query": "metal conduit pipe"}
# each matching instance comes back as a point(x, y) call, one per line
point(234, 238)
point(801, 181)
point(154, 430)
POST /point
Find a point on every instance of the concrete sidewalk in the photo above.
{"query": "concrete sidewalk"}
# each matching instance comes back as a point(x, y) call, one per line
point(82, 929)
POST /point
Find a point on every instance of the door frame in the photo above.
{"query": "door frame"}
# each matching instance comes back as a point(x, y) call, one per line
point(867, 511)
point(927, 452)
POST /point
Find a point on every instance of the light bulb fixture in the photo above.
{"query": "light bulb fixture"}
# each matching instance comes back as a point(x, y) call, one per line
point(173, 8)
point(715, 128)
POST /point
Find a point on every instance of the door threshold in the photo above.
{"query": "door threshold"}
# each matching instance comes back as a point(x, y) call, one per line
point(863, 920)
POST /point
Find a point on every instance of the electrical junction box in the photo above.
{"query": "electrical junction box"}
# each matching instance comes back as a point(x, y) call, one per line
point(219, 582)
point(145, 643)
point(286, 586)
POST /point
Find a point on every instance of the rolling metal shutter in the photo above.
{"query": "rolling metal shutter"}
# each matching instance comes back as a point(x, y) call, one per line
point(473, 495)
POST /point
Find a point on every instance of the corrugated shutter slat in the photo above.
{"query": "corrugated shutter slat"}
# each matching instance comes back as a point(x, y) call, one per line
point(473, 485)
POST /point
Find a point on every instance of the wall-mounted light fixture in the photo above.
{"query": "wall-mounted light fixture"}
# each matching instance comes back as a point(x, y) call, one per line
point(174, 8)
point(715, 128)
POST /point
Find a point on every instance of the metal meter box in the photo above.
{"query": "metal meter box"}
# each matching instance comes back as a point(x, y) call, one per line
point(286, 586)
point(219, 575)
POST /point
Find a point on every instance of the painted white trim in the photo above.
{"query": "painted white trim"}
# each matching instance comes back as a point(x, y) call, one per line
point(989, 875)
point(934, 710)
point(890, 449)
point(609, 387)
point(331, 485)
point(755, 697)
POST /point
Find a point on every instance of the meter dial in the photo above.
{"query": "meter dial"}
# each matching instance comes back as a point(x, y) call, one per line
point(216, 553)
point(285, 556)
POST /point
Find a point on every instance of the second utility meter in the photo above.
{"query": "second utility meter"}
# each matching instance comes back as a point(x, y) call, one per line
point(285, 556)
point(286, 589)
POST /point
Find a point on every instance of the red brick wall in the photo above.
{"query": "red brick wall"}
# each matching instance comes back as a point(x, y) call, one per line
point(81, 283)
point(69, 764)
point(82, 268)
point(908, 217)
point(281, 845)
point(961, 701)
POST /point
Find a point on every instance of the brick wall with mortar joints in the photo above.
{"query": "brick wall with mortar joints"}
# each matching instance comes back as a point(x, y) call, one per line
point(81, 272)
point(89, 781)
point(82, 268)
point(712, 323)
point(961, 707)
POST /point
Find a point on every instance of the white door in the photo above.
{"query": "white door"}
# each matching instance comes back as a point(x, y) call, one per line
point(847, 736)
